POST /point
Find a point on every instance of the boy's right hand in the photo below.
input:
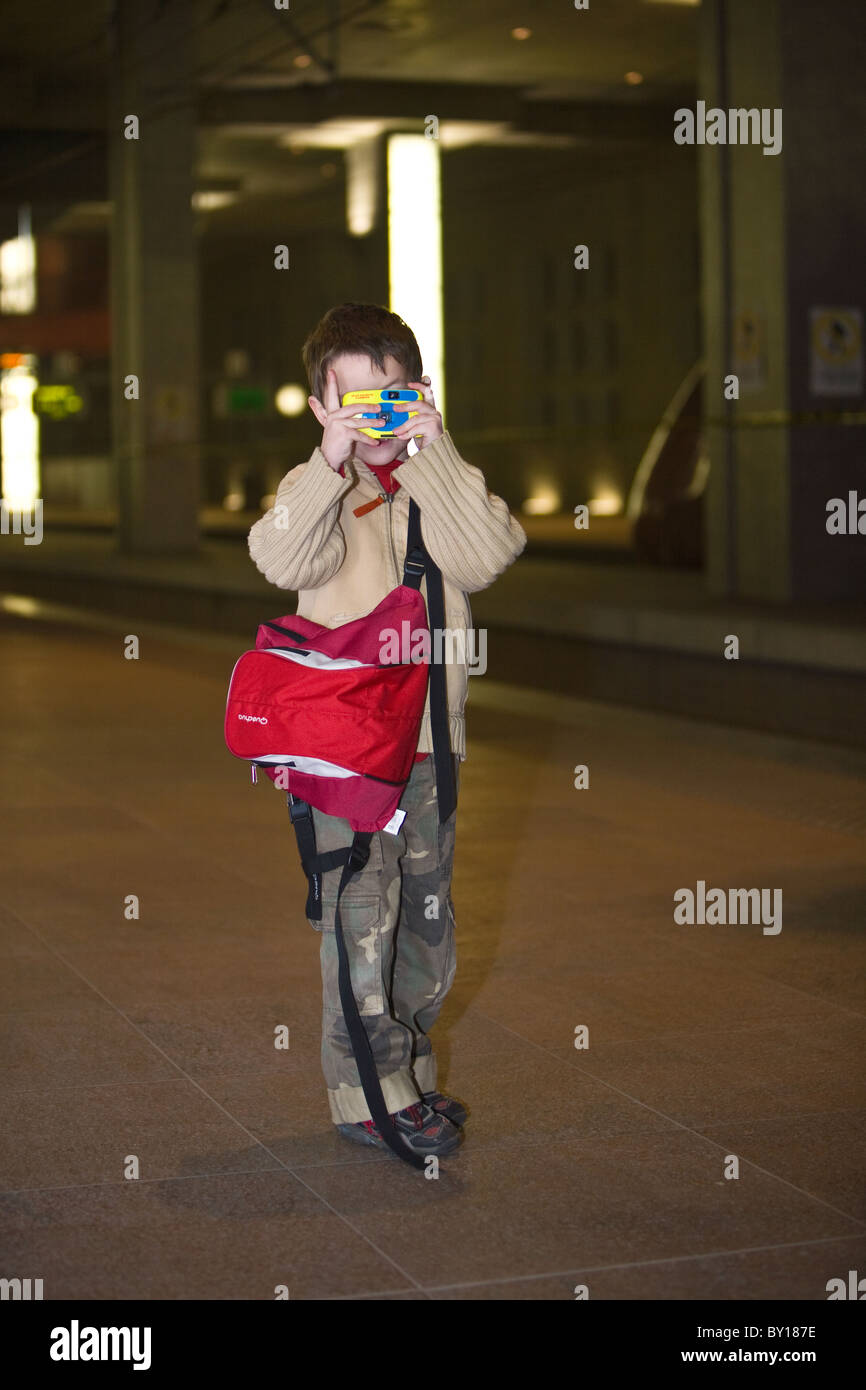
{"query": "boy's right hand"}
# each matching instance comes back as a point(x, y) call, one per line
point(340, 433)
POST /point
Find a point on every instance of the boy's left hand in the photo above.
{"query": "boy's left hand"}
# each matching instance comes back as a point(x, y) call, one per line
point(427, 422)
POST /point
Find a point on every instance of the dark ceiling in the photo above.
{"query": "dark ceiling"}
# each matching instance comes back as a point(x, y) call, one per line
point(265, 78)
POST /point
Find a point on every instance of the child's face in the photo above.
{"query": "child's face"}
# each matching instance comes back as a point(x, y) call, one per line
point(361, 374)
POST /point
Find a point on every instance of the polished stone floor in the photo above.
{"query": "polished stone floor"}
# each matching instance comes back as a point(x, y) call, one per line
point(151, 1041)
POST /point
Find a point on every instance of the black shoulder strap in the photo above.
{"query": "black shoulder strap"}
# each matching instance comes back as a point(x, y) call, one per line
point(416, 553)
point(418, 562)
point(353, 858)
point(369, 1077)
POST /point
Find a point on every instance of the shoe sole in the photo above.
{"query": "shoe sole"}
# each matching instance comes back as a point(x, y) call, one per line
point(363, 1137)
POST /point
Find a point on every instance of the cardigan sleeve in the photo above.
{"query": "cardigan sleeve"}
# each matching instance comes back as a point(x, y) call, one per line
point(469, 531)
point(299, 543)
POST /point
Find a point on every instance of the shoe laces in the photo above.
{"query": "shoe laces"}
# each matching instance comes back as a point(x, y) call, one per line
point(414, 1112)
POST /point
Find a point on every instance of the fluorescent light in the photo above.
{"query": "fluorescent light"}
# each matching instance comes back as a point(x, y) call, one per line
point(19, 435)
point(415, 248)
point(362, 186)
point(18, 270)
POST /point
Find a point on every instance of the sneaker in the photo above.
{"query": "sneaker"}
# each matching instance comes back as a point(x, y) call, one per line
point(422, 1129)
point(446, 1105)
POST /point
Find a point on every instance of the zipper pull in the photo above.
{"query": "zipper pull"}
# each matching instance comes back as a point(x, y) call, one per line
point(367, 506)
point(254, 771)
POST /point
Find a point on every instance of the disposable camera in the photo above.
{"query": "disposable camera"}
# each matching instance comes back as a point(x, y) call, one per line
point(381, 400)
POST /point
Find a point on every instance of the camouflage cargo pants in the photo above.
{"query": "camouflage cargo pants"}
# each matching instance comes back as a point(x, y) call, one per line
point(398, 925)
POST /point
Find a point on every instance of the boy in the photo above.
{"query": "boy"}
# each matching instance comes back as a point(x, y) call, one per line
point(330, 537)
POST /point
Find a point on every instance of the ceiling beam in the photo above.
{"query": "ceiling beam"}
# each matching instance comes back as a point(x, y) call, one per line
point(74, 161)
point(309, 103)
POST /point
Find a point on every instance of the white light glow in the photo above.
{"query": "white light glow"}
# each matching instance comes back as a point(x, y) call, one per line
point(18, 275)
point(608, 502)
point(332, 135)
point(211, 199)
point(19, 435)
point(19, 605)
point(545, 501)
point(362, 186)
point(291, 399)
point(415, 248)
point(456, 135)
point(453, 134)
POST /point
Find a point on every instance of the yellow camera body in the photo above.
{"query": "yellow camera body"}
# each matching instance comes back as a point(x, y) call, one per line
point(383, 400)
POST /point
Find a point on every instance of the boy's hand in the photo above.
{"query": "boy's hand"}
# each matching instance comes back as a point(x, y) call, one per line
point(340, 434)
point(427, 423)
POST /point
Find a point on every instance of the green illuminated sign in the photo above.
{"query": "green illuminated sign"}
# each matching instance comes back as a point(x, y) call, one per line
point(58, 402)
point(247, 400)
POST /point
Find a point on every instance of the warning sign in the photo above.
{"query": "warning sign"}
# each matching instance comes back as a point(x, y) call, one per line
point(836, 352)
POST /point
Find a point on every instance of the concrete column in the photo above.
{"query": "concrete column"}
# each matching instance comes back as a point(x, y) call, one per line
point(784, 235)
point(155, 308)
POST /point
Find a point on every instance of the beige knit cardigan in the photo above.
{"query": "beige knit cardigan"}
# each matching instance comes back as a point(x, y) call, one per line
point(342, 565)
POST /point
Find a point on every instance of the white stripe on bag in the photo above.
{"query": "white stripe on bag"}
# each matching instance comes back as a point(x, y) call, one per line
point(318, 659)
point(316, 766)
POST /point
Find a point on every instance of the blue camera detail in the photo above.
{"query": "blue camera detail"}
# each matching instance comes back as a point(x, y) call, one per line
point(393, 419)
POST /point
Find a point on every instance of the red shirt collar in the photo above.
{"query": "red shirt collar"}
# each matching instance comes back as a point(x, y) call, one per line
point(383, 473)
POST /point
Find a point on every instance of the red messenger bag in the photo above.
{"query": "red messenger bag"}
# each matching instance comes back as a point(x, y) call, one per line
point(336, 726)
point(318, 706)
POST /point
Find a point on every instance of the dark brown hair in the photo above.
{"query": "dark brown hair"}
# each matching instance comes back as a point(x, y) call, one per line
point(363, 330)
